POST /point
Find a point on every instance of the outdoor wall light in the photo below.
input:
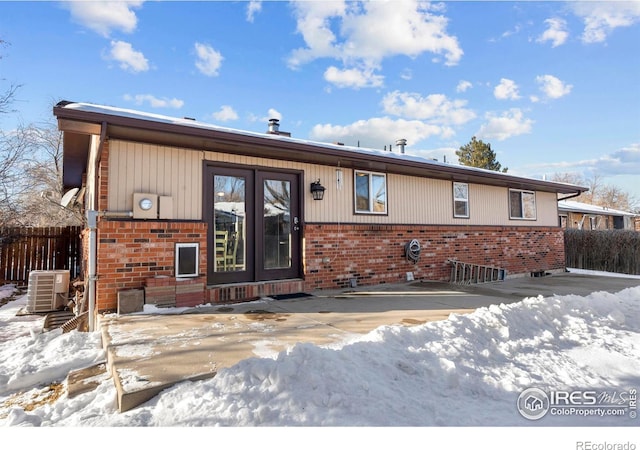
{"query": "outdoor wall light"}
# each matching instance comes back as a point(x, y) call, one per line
point(317, 190)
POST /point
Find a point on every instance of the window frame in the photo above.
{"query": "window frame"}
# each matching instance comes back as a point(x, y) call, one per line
point(186, 245)
point(523, 209)
point(563, 220)
point(371, 208)
point(459, 199)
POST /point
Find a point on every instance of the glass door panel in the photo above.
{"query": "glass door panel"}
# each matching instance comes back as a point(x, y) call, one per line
point(253, 218)
point(277, 224)
point(229, 220)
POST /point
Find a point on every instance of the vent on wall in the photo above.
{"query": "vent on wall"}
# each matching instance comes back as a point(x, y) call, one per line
point(47, 290)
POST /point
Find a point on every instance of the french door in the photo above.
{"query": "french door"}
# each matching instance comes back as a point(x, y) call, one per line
point(254, 224)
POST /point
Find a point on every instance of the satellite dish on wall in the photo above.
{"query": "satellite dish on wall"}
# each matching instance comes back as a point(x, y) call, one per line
point(69, 197)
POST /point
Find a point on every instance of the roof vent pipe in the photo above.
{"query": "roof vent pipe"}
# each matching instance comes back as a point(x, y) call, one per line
point(401, 143)
point(274, 126)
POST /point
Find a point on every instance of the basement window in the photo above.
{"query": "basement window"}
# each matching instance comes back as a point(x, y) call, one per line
point(187, 260)
point(370, 192)
point(522, 204)
point(461, 200)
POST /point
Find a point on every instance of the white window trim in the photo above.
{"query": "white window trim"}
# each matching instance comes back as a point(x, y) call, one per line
point(535, 206)
point(563, 218)
point(456, 199)
point(355, 193)
point(197, 267)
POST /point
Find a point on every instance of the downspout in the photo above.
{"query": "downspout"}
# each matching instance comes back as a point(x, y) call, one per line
point(92, 223)
point(92, 219)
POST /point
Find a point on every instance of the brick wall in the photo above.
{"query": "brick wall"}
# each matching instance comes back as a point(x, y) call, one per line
point(130, 252)
point(374, 254)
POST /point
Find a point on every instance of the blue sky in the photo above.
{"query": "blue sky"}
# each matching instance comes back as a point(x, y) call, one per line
point(554, 87)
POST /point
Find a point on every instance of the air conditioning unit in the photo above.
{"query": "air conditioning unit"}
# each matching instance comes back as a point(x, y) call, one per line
point(48, 290)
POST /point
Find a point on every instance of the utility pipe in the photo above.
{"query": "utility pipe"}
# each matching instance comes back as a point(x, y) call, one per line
point(92, 224)
point(92, 219)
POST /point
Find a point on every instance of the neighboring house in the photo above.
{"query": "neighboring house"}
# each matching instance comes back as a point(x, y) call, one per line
point(583, 216)
point(224, 215)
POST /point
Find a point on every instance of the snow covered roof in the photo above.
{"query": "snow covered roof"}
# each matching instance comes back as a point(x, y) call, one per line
point(571, 206)
point(86, 118)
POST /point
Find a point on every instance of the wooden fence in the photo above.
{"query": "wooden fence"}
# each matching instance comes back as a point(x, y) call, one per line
point(606, 250)
point(45, 248)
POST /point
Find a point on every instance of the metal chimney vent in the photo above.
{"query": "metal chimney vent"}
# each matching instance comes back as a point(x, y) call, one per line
point(401, 143)
point(274, 126)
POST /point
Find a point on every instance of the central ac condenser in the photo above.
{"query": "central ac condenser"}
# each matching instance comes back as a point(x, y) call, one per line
point(48, 290)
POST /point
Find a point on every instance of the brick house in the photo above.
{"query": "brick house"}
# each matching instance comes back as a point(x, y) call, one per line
point(584, 216)
point(211, 214)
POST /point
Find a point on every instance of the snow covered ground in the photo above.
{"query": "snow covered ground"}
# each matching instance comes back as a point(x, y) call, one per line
point(467, 371)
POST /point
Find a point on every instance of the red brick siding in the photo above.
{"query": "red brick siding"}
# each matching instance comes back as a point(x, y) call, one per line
point(374, 254)
point(103, 179)
point(129, 252)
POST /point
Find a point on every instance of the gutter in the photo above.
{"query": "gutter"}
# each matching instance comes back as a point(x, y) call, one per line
point(133, 125)
point(571, 196)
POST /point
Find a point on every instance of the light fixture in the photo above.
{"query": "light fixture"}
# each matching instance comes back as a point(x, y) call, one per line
point(317, 190)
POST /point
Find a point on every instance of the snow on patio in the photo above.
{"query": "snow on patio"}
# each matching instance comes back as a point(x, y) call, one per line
point(465, 371)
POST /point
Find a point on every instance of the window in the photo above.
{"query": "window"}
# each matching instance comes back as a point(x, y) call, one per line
point(460, 200)
point(522, 204)
point(370, 192)
point(187, 260)
point(564, 221)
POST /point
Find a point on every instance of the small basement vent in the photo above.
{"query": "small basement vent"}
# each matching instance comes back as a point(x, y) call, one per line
point(48, 290)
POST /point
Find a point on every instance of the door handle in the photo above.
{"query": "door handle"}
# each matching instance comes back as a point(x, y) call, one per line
point(296, 224)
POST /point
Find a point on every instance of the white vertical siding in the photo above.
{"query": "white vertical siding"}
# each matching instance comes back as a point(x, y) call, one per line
point(175, 172)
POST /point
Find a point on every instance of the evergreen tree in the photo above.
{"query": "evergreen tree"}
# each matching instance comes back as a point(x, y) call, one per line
point(478, 154)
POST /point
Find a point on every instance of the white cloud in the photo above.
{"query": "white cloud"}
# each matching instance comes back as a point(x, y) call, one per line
point(435, 107)
point(506, 90)
point(363, 34)
point(510, 123)
point(556, 32)
point(208, 60)
point(601, 18)
point(378, 132)
point(253, 7)
point(463, 86)
point(104, 16)
point(314, 24)
point(129, 59)
point(225, 114)
point(353, 78)
point(272, 113)
point(625, 161)
point(154, 102)
point(406, 74)
point(553, 87)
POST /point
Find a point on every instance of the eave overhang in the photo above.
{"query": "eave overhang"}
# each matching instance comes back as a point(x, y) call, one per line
point(189, 134)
